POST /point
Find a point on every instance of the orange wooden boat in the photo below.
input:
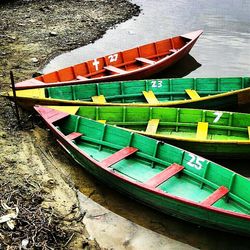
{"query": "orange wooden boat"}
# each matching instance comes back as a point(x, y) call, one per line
point(136, 63)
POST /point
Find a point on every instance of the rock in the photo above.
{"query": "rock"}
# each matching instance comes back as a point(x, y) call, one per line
point(34, 60)
point(53, 33)
point(45, 9)
point(3, 135)
point(24, 244)
point(13, 38)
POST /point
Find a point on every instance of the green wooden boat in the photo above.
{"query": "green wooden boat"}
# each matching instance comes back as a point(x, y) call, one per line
point(209, 133)
point(165, 177)
point(206, 93)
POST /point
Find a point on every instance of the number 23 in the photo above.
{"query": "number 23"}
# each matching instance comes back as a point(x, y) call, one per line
point(156, 84)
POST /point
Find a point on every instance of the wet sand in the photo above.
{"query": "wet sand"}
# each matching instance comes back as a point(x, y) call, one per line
point(32, 32)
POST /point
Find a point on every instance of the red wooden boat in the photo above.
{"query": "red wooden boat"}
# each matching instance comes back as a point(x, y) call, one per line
point(136, 63)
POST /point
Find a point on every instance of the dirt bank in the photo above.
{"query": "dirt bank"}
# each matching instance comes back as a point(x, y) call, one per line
point(38, 203)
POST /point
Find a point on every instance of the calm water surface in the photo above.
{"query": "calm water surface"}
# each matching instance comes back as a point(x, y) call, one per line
point(222, 50)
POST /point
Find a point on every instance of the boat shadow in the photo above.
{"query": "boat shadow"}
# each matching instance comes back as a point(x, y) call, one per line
point(180, 69)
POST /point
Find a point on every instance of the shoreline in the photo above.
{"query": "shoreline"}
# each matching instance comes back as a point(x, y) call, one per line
point(34, 173)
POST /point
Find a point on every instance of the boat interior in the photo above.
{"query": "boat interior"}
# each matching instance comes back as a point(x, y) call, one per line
point(156, 165)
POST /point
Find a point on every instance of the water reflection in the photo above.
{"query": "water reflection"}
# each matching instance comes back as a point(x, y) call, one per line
point(182, 68)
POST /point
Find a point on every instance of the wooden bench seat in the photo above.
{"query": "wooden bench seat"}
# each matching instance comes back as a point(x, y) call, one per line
point(73, 135)
point(102, 121)
point(164, 175)
point(81, 78)
point(192, 94)
point(150, 97)
point(152, 126)
point(173, 50)
point(115, 69)
point(118, 156)
point(202, 130)
point(145, 60)
point(98, 99)
point(215, 196)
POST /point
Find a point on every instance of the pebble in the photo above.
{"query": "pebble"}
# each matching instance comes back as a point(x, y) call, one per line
point(53, 33)
point(25, 243)
point(3, 135)
point(34, 60)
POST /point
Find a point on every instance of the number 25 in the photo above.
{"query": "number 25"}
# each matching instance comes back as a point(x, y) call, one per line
point(195, 161)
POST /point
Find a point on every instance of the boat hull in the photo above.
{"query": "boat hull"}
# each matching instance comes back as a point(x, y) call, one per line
point(184, 211)
point(233, 101)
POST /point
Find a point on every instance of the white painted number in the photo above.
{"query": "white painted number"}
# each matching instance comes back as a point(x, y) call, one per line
point(96, 63)
point(156, 84)
point(113, 58)
point(195, 161)
point(218, 116)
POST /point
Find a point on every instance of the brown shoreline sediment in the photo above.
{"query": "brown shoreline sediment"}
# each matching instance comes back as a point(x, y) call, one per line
point(33, 170)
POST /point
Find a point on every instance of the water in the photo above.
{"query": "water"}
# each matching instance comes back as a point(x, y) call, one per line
point(222, 50)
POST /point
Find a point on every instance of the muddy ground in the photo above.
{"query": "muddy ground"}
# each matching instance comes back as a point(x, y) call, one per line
point(39, 207)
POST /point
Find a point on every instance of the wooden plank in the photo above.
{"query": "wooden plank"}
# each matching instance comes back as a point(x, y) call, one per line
point(164, 175)
point(202, 130)
point(68, 109)
point(81, 78)
point(50, 115)
point(30, 83)
point(173, 50)
point(99, 99)
point(248, 128)
point(150, 97)
point(56, 115)
point(192, 94)
point(33, 93)
point(115, 69)
point(102, 121)
point(118, 156)
point(145, 60)
point(152, 126)
point(215, 196)
point(73, 135)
